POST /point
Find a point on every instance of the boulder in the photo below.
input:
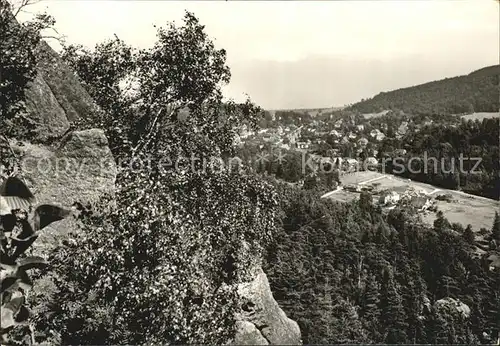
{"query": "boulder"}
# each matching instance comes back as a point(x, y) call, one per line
point(258, 308)
point(450, 305)
point(56, 97)
point(248, 334)
point(82, 170)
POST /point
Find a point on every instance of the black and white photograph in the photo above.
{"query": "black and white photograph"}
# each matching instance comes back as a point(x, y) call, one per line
point(241, 172)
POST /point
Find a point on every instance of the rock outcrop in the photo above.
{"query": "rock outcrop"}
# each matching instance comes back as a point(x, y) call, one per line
point(78, 169)
point(82, 170)
point(447, 306)
point(261, 320)
point(56, 97)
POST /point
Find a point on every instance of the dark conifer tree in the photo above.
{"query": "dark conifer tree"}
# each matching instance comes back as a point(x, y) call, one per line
point(393, 315)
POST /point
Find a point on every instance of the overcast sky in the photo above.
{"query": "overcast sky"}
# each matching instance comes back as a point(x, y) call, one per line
point(307, 54)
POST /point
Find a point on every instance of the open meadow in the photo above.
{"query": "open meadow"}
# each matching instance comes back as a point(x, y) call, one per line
point(464, 208)
point(481, 115)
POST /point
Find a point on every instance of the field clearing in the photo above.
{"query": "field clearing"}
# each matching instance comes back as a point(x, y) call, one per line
point(465, 208)
point(359, 177)
point(481, 115)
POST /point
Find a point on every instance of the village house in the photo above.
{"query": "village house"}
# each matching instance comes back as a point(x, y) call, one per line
point(371, 163)
point(292, 137)
point(352, 188)
point(303, 145)
point(377, 135)
point(360, 127)
point(351, 161)
point(271, 137)
point(416, 198)
point(420, 202)
point(237, 141)
point(363, 142)
point(403, 128)
point(388, 198)
point(335, 133)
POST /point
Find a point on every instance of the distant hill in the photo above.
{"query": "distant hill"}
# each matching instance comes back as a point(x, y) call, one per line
point(476, 92)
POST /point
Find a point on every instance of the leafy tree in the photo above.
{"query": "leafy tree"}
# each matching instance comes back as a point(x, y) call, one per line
point(366, 201)
point(164, 264)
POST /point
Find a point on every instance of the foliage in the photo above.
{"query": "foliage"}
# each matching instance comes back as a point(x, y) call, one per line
point(19, 229)
point(163, 264)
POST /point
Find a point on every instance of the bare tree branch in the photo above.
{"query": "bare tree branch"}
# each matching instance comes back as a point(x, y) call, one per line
point(60, 39)
point(23, 3)
point(147, 138)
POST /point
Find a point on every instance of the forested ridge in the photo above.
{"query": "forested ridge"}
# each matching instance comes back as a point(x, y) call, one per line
point(475, 92)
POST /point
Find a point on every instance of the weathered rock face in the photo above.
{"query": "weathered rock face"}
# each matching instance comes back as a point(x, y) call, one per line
point(44, 109)
point(449, 306)
point(81, 170)
point(56, 97)
point(261, 320)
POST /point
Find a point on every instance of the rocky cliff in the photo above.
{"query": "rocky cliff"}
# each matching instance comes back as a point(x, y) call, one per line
point(261, 320)
point(56, 98)
point(81, 169)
